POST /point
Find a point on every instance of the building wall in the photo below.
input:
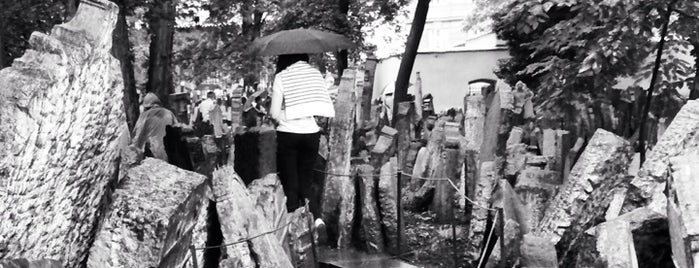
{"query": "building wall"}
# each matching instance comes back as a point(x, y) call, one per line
point(444, 26)
point(444, 74)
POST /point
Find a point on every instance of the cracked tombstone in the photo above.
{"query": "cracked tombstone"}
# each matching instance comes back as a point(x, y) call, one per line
point(152, 219)
point(337, 201)
point(243, 224)
point(370, 222)
point(683, 209)
point(683, 133)
point(61, 116)
point(584, 197)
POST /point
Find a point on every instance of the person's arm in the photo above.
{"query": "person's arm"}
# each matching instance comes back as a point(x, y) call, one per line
point(275, 108)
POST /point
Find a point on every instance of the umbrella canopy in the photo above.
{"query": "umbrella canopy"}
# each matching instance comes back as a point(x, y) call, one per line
point(299, 41)
point(207, 87)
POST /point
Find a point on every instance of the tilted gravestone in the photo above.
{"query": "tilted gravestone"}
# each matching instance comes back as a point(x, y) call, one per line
point(61, 114)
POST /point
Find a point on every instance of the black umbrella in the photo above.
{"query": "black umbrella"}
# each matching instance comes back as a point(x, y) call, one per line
point(299, 41)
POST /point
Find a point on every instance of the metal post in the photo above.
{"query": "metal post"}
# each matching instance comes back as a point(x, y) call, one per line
point(453, 234)
point(400, 214)
point(193, 251)
point(311, 229)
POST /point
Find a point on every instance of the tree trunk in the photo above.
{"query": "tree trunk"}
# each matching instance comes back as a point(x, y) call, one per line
point(340, 64)
point(162, 25)
point(250, 29)
point(653, 79)
point(121, 49)
point(3, 54)
point(341, 24)
point(694, 93)
point(406, 65)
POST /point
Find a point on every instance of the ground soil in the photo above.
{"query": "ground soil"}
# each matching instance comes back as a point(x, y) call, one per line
point(430, 244)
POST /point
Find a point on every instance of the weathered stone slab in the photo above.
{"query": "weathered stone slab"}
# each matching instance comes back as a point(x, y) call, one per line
point(61, 114)
point(385, 140)
point(515, 136)
point(388, 190)
point(24, 263)
point(548, 148)
point(474, 118)
point(636, 219)
point(600, 168)
point(613, 247)
point(420, 169)
point(537, 252)
point(537, 160)
point(616, 204)
point(419, 199)
point(268, 196)
point(491, 129)
point(535, 189)
point(370, 228)
point(516, 159)
point(682, 133)
point(256, 153)
point(516, 224)
point(479, 215)
point(683, 208)
point(338, 197)
point(297, 240)
point(152, 218)
point(562, 147)
point(240, 220)
point(443, 201)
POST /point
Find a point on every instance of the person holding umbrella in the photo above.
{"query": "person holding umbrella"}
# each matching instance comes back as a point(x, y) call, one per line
point(299, 93)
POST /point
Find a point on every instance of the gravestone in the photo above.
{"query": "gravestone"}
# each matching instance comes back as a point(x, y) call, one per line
point(61, 114)
point(152, 218)
point(338, 199)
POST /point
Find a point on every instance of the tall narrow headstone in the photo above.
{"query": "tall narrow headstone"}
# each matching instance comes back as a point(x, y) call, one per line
point(61, 114)
point(338, 197)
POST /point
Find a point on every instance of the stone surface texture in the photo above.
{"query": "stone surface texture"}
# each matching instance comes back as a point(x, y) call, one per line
point(587, 192)
point(683, 208)
point(152, 218)
point(615, 245)
point(370, 228)
point(474, 120)
point(388, 207)
point(682, 133)
point(61, 114)
point(242, 221)
point(24, 263)
point(479, 215)
point(268, 196)
point(338, 199)
point(537, 252)
point(516, 159)
point(535, 188)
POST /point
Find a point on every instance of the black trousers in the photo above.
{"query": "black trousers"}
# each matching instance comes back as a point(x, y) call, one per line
point(296, 157)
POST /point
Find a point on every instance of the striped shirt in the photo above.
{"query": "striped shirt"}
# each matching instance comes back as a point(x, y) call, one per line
point(305, 92)
point(299, 93)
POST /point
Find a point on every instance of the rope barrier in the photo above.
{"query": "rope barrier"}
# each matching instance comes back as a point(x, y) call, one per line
point(487, 242)
point(246, 239)
point(410, 176)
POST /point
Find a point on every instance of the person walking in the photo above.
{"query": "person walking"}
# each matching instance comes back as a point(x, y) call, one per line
point(299, 94)
point(150, 128)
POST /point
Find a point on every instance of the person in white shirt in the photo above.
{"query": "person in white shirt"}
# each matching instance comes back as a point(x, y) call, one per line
point(299, 93)
point(206, 106)
point(204, 111)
